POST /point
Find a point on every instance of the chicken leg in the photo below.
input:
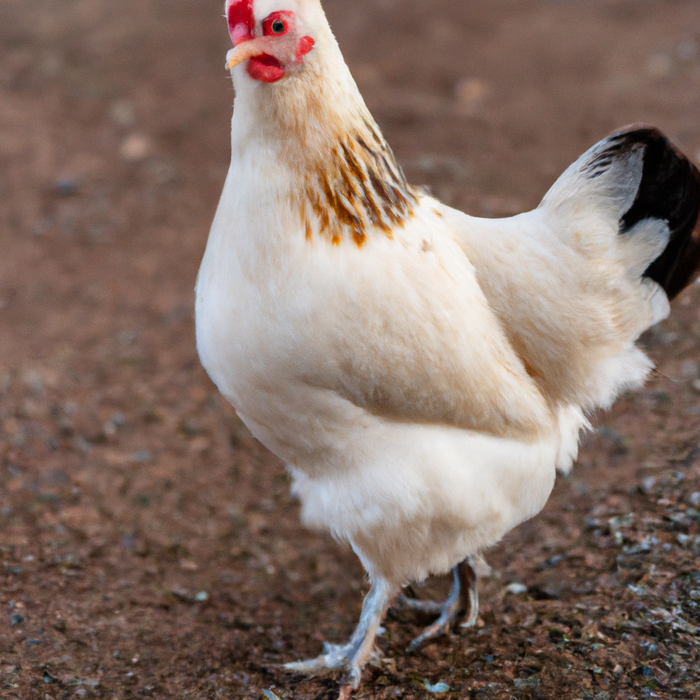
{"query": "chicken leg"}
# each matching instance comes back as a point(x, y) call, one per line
point(462, 601)
point(353, 656)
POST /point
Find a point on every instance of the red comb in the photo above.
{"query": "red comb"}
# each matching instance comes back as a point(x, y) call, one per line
point(241, 21)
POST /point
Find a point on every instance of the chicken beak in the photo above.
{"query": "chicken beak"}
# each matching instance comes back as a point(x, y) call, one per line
point(242, 52)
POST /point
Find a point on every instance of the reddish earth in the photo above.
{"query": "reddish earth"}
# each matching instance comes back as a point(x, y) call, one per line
point(149, 545)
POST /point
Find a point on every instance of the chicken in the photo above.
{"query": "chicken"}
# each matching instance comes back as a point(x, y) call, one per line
point(423, 373)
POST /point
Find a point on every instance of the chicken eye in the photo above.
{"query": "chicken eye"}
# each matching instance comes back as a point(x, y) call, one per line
point(278, 27)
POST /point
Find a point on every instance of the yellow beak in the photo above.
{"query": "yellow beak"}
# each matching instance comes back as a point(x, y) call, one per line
point(243, 52)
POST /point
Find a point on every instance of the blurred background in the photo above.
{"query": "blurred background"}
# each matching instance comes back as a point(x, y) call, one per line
point(149, 544)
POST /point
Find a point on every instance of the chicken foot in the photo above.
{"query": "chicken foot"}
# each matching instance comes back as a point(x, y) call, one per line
point(353, 656)
point(462, 601)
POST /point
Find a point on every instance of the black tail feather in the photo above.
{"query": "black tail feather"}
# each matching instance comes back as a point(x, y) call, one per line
point(669, 190)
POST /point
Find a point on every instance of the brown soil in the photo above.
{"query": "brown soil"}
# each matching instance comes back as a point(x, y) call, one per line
point(149, 544)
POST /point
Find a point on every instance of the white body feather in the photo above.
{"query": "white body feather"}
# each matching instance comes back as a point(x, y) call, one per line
point(414, 498)
point(423, 388)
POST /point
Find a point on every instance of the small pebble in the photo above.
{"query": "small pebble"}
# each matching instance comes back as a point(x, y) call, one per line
point(123, 113)
point(48, 678)
point(648, 484)
point(690, 369)
point(437, 688)
point(135, 147)
point(65, 187)
point(687, 51)
point(470, 94)
point(659, 66)
point(117, 419)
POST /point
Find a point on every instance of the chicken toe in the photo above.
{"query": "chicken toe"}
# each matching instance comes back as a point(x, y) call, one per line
point(463, 601)
point(352, 657)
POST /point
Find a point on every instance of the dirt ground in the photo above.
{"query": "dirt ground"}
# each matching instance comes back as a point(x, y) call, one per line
point(149, 545)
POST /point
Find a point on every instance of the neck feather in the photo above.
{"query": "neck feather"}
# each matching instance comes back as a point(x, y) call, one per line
point(346, 184)
point(356, 189)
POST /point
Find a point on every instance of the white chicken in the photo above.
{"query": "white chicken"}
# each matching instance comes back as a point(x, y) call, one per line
point(422, 372)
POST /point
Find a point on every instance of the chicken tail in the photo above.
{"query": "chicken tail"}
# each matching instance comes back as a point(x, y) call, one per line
point(628, 211)
point(638, 176)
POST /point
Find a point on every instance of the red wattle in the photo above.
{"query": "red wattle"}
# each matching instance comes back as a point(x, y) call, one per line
point(265, 68)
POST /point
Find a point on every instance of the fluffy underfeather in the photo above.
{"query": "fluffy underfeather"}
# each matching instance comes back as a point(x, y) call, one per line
point(383, 378)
